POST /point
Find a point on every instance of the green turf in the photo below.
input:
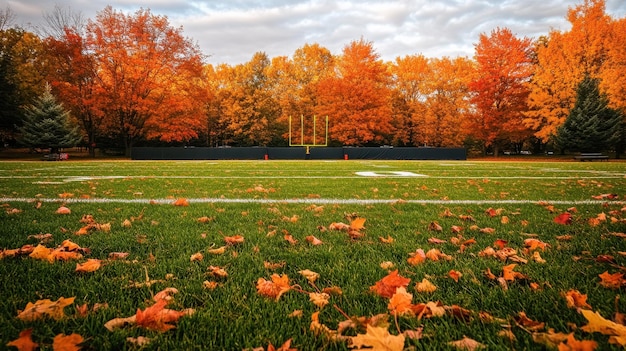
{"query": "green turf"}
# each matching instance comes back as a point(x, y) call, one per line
point(162, 238)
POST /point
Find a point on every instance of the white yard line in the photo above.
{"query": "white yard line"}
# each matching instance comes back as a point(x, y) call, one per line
point(381, 175)
point(321, 201)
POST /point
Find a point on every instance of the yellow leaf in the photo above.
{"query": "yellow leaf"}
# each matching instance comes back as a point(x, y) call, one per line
point(319, 299)
point(377, 339)
point(597, 323)
point(309, 275)
point(42, 308)
point(91, 265)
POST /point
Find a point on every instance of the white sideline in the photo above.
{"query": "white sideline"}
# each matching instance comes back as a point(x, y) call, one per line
point(319, 201)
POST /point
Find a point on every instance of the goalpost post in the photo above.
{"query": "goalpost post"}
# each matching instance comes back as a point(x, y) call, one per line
point(314, 135)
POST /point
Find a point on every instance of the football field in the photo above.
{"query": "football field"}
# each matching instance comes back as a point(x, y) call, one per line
point(234, 255)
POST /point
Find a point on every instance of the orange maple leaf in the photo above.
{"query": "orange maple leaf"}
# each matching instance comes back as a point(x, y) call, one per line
point(25, 341)
point(181, 202)
point(563, 218)
point(455, 275)
point(274, 288)
point(576, 300)
point(64, 342)
point(533, 244)
point(157, 317)
point(577, 345)
point(42, 308)
point(401, 302)
point(387, 286)
point(234, 240)
point(63, 210)
point(92, 265)
point(313, 240)
point(612, 281)
point(417, 257)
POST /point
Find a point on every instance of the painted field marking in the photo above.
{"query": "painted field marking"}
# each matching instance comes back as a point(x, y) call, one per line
point(323, 201)
point(390, 173)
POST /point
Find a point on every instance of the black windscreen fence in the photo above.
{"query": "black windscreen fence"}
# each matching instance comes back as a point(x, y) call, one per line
point(298, 153)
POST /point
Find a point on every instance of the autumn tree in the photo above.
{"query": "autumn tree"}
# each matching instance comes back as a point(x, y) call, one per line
point(447, 102)
point(562, 61)
point(148, 74)
point(248, 109)
point(409, 79)
point(21, 76)
point(357, 98)
point(613, 75)
point(591, 125)
point(47, 124)
point(501, 88)
point(72, 74)
point(296, 82)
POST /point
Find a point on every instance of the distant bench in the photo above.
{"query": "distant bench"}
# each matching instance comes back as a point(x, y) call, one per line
point(590, 156)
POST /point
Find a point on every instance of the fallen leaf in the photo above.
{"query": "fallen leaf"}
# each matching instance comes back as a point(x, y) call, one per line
point(319, 299)
point(43, 308)
point(218, 251)
point(63, 342)
point(196, 257)
point(564, 218)
point(139, 341)
point(91, 265)
point(597, 323)
point(63, 210)
point(181, 202)
point(24, 342)
point(575, 299)
point(571, 344)
point(377, 338)
point(274, 288)
point(416, 257)
point(309, 275)
point(467, 344)
point(313, 240)
point(387, 286)
point(425, 286)
point(401, 302)
point(234, 240)
point(157, 317)
point(455, 275)
point(612, 281)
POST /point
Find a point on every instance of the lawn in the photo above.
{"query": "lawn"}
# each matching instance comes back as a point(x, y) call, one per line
point(509, 270)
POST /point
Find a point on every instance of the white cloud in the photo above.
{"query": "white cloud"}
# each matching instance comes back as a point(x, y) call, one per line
point(232, 31)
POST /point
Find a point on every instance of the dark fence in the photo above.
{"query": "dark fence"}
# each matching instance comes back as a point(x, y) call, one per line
point(297, 153)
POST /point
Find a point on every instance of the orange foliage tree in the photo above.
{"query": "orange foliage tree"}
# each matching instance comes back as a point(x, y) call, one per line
point(72, 75)
point(296, 84)
point(248, 111)
point(447, 102)
point(356, 99)
point(500, 88)
point(148, 73)
point(409, 78)
point(562, 61)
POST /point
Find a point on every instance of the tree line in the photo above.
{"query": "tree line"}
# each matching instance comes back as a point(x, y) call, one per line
point(133, 79)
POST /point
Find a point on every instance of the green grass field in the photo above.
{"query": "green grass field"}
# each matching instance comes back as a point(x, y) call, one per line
point(263, 201)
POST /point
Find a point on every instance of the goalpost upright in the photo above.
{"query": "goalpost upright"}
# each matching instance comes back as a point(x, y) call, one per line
point(303, 142)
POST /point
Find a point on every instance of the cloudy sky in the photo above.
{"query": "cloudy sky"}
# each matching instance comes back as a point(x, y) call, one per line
point(231, 31)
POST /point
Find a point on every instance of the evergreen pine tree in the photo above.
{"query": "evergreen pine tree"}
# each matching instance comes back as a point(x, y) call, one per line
point(46, 124)
point(592, 126)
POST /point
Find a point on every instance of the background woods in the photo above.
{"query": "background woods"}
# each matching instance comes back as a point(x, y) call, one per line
point(133, 79)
